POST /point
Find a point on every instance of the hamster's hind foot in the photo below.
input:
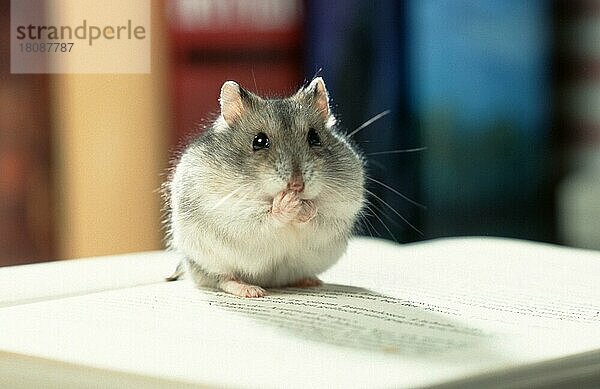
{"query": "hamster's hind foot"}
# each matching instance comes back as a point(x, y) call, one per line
point(242, 289)
point(309, 282)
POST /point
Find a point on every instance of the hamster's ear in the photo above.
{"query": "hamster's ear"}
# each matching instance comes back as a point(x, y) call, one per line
point(317, 93)
point(231, 100)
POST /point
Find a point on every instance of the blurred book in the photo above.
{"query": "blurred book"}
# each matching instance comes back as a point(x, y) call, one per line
point(482, 90)
point(256, 43)
point(578, 122)
point(25, 185)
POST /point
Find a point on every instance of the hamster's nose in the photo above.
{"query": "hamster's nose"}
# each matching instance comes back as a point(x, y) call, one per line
point(296, 183)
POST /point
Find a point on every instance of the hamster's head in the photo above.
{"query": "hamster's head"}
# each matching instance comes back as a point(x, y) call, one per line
point(267, 146)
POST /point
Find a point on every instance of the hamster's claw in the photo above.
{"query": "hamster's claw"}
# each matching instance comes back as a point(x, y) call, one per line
point(242, 289)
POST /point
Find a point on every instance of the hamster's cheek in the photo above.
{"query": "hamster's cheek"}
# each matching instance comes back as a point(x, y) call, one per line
point(270, 186)
point(313, 187)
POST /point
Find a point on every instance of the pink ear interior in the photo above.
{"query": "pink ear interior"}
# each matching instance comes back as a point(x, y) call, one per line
point(232, 107)
point(321, 97)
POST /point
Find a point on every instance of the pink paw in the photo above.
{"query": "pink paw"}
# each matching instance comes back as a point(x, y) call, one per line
point(289, 207)
point(241, 289)
point(308, 282)
point(307, 212)
point(286, 206)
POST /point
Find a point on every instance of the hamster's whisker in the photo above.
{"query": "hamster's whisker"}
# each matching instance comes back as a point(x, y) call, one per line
point(254, 79)
point(363, 216)
point(248, 202)
point(396, 212)
point(369, 122)
point(334, 190)
point(382, 222)
point(376, 164)
point(243, 198)
point(226, 197)
point(381, 211)
point(386, 227)
point(365, 221)
point(331, 186)
point(400, 151)
point(396, 192)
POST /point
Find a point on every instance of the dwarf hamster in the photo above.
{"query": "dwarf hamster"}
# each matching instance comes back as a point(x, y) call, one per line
point(267, 196)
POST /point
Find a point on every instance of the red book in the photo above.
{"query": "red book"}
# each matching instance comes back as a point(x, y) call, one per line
point(256, 43)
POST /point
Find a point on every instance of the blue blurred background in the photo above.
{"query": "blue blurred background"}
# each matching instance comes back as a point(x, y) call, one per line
point(469, 80)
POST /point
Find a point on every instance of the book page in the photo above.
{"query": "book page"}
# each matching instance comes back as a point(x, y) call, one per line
point(41, 281)
point(388, 316)
point(487, 279)
point(300, 338)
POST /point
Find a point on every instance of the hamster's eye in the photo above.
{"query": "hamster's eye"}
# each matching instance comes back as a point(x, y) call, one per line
point(313, 138)
point(261, 141)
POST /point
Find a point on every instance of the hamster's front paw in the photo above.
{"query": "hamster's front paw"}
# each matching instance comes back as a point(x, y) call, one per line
point(289, 207)
point(286, 206)
point(242, 289)
point(308, 211)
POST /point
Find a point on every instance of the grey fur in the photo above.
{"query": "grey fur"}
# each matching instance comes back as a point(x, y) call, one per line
point(221, 191)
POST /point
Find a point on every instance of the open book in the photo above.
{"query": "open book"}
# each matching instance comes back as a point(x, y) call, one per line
point(460, 312)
